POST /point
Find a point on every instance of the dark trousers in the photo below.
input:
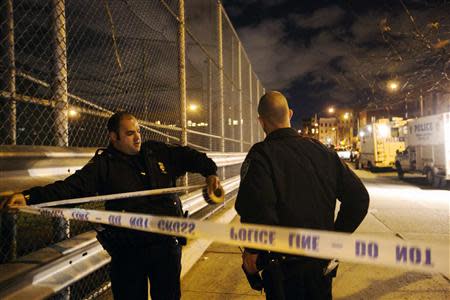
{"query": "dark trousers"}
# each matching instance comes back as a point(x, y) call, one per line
point(295, 281)
point(132, 268)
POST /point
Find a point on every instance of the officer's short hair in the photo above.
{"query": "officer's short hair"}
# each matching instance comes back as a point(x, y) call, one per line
point(273, 107)
point(114, 121)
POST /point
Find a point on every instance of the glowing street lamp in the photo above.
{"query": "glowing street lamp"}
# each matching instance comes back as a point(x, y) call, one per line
point(393, 85)
point(193, 107)
point(346, 116)
point(72, 113)
point(331, 110)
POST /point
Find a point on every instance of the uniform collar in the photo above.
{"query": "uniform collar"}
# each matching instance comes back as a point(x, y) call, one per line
point(118, 153)
point(281, 133)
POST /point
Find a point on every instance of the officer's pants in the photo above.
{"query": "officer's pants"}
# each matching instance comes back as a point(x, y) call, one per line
point(296, 281)
point(131, 269)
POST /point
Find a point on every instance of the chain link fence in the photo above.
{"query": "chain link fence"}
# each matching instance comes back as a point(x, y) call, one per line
point(67, 65)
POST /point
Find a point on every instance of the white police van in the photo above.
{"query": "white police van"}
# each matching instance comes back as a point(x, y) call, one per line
point(427, 149)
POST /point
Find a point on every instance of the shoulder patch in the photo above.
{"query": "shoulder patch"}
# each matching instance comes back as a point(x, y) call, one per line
point(244, 168)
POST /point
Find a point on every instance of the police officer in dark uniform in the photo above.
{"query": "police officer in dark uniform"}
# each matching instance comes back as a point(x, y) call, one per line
point(128, 166)
point(294, 181)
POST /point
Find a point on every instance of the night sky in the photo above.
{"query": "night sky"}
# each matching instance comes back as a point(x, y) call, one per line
point(343, 53)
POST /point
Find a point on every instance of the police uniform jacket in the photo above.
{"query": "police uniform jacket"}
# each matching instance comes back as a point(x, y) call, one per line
point(294, 181)
point(156, 166)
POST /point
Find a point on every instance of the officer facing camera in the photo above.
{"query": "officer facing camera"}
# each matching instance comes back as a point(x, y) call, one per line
point(128, 165)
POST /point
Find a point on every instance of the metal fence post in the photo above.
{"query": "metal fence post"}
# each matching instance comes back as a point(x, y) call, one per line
point(221, 94)
point(262, 131)
point(421, 103)
point(210, 90)
point(59, 87)
point(241, 129)
point(60, 73)
point(10, 78)
point(257, 100)
point(230, 108)
point(250, 85)
point(8, 238)
point(182, 76)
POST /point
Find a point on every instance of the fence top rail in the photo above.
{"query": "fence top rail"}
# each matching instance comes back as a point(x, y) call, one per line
point(24, 151)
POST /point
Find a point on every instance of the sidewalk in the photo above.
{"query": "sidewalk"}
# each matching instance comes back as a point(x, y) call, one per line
point(218, 276)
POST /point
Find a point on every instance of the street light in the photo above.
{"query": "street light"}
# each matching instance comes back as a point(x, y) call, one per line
point(193, 107)
point(346, 115)
point(72, 113)
point(393, 85)
point(331, 110)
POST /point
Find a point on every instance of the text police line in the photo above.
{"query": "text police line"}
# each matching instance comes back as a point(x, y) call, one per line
point(359, 248)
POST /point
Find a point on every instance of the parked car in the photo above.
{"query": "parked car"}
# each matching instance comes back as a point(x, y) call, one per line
point(344, 152)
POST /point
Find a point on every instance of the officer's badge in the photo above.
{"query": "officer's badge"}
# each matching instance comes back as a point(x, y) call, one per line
point(244, 168)
point(162, 168)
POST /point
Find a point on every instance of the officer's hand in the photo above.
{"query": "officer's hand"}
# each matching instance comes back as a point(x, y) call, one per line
point(249, 261)
point(13, 201)
point(213, 183)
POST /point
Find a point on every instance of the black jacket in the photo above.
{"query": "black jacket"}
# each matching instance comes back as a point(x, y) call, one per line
point(294, 181)
point(109, 172)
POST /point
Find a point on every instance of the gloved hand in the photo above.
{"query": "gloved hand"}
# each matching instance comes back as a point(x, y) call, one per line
point(13, 201)
point(214, 192)
point(249, 262)
point(213, 183)
point(249, 266)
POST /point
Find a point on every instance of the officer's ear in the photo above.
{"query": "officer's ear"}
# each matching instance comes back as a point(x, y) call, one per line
point(291, 113)
point(113, 136)
point(261, 121)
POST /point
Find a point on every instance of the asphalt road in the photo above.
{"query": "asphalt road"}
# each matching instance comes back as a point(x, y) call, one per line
point(408, 209)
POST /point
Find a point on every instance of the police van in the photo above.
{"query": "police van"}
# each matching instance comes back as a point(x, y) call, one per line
point(427, 149)
point(379, 143)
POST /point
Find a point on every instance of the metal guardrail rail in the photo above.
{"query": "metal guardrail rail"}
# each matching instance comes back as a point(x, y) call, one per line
point(81, 255)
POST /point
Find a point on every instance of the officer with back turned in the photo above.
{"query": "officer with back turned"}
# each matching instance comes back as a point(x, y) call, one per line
point(294, 181)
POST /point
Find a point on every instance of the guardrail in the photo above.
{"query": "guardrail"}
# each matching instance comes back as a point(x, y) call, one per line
point(52, 269)
point(79, 257)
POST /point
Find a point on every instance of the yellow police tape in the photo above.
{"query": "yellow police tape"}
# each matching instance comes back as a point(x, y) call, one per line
point(215, 197)
point(358, 248)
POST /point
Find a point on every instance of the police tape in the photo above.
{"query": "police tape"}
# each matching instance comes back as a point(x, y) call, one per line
point(357, 248)
point(214, 197)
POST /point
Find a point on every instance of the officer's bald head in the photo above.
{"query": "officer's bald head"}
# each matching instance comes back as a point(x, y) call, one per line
point(273, 110)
